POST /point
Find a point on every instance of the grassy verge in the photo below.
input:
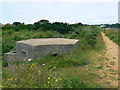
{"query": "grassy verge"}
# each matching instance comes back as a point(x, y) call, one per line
point(113, 34)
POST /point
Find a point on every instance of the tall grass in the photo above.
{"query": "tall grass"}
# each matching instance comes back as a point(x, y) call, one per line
point(113, 35)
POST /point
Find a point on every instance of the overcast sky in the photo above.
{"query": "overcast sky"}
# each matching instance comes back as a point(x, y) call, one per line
point(70, 11)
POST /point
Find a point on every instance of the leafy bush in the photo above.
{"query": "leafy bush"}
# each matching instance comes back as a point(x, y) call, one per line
point(88, 34)
point(6, 48)
point(17, 38)
point(4, 63)
point(10, 32)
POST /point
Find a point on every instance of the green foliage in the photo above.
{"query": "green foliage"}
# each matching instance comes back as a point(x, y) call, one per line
point(4, 63)
point(113, 34)
point(17, 38)
point(6, 48)
point(10, 32)
point(68, 63)
point(117, 25)
point(74, 82)
point(91, 36)
point(24, 27)
point(8, 27)
point(99, 67)
point(41, 24)
point(11, 36)
point(88, 34)
point(45, 25)
point(75, 62)
point(16, 23)
point(60, 27)
point(84, 61)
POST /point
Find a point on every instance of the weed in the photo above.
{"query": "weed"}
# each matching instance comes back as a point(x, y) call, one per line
point(4, 63)
point(74, 82)
point(112, 63)
point(99, 67)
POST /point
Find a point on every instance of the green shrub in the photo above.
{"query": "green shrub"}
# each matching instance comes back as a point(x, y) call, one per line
point(10, 32)
point(17, 38)
point(88, 34)
point(91, 37)
point(6, 48)
point(4, 63)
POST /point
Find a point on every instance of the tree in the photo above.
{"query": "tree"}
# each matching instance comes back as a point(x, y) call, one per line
point(8, 26)
point(16, 23)
point(62, 28)
point(41, 24)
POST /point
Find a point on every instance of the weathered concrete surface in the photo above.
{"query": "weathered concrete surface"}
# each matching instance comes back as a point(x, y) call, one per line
point(38, 48)
point(10, 56)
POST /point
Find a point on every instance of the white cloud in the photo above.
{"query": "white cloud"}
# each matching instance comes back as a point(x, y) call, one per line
point(80, 1)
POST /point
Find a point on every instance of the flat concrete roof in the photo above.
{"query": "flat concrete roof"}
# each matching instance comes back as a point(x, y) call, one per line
point(48, 41)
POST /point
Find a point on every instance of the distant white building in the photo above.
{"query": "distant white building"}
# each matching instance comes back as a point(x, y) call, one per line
point(102, 26)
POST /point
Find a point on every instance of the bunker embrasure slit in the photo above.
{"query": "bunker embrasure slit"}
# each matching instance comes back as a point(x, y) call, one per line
point(23, 53)
point(54, 54)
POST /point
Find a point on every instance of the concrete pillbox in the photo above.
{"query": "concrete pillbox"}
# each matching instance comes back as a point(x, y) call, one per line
point(38, 48)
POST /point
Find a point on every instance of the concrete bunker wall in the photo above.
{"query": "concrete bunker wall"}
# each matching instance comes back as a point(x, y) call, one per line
point(76, 45)
point(10, 56)
point(43, 50)
point(24, 52)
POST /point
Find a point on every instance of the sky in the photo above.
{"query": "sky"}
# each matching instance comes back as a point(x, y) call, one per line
point(69, 11)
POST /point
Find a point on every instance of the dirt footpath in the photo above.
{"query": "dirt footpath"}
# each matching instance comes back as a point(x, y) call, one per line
point(111, 66)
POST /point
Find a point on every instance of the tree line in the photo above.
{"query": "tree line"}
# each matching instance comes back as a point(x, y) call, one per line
point(117, 25)
point(43, 24)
